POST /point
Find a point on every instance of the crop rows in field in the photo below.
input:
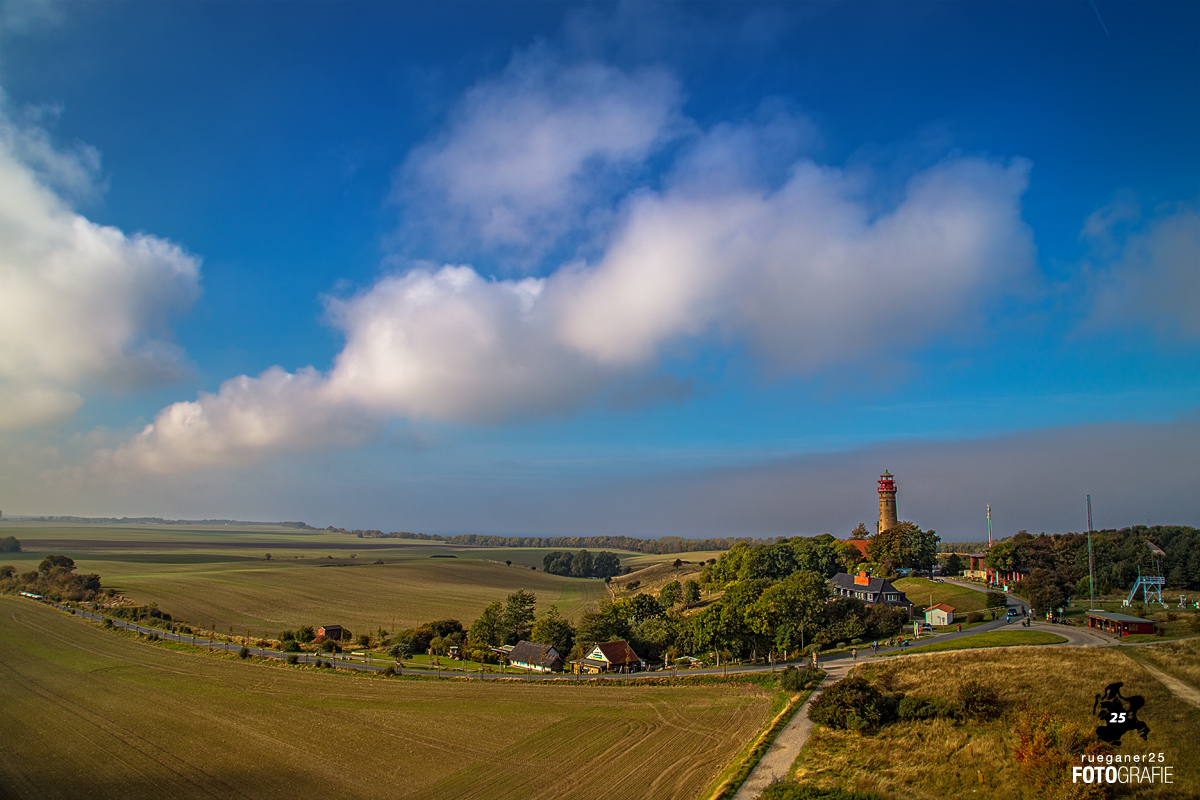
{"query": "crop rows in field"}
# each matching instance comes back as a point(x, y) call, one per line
point(91, 714)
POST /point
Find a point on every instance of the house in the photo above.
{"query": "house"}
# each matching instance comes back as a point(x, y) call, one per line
point(941, 614)
point(334, 632)
point(872, 591)
point(535, 656)
point(1119, 624)
point(615, 656)
point(976, 568)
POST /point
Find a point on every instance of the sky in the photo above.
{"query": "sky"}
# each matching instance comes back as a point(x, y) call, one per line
point(646, 269)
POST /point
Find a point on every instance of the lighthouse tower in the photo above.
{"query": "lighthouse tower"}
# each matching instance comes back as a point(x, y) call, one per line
point(887, 502)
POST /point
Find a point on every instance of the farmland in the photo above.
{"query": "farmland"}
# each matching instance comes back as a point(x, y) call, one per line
point(221, 574)
point(947, 759)
point(89, 713)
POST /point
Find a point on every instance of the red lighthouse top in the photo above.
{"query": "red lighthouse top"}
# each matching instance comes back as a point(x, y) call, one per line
point(886, 484)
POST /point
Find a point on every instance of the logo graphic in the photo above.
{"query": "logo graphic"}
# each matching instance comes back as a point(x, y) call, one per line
point(1119, 714)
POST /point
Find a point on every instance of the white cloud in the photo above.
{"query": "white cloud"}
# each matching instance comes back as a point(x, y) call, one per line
point(526, 154)
point(1151, 275)
point(85, 304)
point(804, 273)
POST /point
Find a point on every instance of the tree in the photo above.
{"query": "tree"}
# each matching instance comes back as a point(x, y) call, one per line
point(1005, 556)
point(849, 555)
point(489, 628)
point(996, 599)
point(268, 556)
point(638, 608)
point(555, 631)
point(691, 592)
point(50, 562)
point(518, 615)
point(1045, 590)
point(953, 566)
point(860, 532)
point(670, 594)
point(581, 567)
point(9, 544)
point(606, 565)
point(789, 609)
point(904, 545)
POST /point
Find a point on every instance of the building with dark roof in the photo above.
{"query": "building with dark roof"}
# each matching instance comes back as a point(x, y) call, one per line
point(872, 591)
point(1119, 624)
point(535, 656)
point(334, 632)
point(615, 656)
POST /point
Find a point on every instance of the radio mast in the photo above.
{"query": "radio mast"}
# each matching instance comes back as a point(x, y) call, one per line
point(1091, 564)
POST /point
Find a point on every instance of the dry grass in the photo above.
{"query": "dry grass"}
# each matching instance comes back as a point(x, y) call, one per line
point(941, 759)
point(653, 578)
point(1178, 659)
point(90, 714)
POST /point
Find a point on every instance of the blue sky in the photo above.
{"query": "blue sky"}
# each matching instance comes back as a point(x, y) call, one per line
point(649, 268)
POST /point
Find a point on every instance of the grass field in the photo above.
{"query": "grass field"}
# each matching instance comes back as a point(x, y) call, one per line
point(1178, 659)
point(221, 575)
point(991, 639)
point(963, 600)
point(91, 714)
point(941, 759)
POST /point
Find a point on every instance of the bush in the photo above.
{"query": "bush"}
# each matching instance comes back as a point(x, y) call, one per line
point(291, 646)
point(797, 680)
point(244, 653)
point(287, 636)
point(916, 707)
point(389, 671)
point(977, 699)
point(853, 704)
point(796, 791)
point(996, 600)
point(305, 634)
point(293, 659)
point(974, 616)
point(1046, 747)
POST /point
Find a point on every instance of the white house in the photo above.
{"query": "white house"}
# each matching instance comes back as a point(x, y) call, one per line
point(941, 614)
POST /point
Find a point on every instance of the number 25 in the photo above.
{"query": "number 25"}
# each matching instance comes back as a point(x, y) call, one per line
point(1117, 717)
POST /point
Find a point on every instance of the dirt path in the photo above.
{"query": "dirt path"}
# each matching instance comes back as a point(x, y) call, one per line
point(1186, 693)
point(786, 747)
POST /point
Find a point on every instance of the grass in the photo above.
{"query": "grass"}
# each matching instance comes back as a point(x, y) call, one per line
point(88, 713)
point(207, 575)
point(990, 639)
point(1178, 659)
point(963, 600)
point(733, 776)
point(942, 759)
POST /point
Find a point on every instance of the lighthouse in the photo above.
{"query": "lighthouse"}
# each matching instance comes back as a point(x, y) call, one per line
point(887, 502)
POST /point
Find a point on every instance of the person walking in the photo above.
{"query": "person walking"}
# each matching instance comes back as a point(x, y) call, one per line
point(854, 653)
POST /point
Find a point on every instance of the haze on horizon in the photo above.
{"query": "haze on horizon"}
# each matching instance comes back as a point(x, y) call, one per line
point(646, 269)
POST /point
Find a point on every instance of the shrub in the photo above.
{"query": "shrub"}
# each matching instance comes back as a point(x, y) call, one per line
point(305, 634)
point(1046, 747)
point(244, 652)
point(916, 707)
point(287, 636)
point(293, 659)
point(996, 600)
point(977, 699)
point(291, 646)
point(389, 671)
point(852, 704)
point(974, 616)
point(797, 680)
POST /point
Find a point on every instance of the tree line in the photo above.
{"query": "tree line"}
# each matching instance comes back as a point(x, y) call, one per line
point(54, 579)
point(662, 545)
point(1056, 565)
point(582, 564)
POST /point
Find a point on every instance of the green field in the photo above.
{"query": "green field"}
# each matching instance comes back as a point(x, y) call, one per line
point(991, 639)
point(963, 600)
point(221, 575)
point(88, 713)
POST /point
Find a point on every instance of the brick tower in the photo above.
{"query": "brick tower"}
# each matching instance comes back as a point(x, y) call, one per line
point(887, 502)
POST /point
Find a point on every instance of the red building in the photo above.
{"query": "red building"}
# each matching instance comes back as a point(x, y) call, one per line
point(1119, 624)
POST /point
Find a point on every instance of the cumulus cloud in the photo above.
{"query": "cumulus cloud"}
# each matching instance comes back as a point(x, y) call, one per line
point(85, 304)
point(1147, 273)
point(524, 155)
point(803, 273)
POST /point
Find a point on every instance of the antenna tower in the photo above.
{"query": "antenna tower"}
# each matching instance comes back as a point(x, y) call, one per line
point(1091, 565)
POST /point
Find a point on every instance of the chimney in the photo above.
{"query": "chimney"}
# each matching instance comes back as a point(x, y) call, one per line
point(862, 579)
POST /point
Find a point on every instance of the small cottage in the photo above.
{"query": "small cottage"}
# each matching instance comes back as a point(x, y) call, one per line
point(941, 614)
point(331, 632)
point(872, 591)
point(615, 656)
point(535, 656)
